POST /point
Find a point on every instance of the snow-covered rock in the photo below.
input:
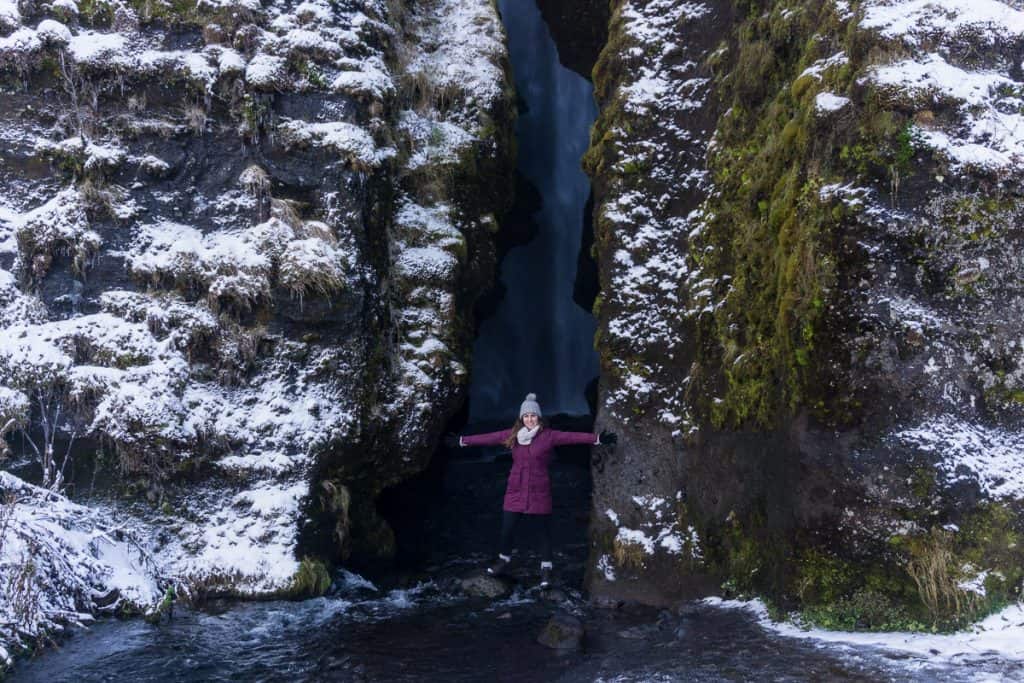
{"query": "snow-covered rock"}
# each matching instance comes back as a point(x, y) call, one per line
point(211, 270)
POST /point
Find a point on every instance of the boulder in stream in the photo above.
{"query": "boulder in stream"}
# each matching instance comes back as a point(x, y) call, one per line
point(562, 632)
point(484, 586)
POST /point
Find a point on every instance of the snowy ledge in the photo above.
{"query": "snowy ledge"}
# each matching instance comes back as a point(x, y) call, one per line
point(1001, 634)
point(988, 132)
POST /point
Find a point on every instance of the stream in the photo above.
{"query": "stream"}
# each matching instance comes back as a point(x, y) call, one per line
point(418, 625)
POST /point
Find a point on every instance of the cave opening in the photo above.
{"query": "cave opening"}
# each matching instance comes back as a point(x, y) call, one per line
point(535, 329)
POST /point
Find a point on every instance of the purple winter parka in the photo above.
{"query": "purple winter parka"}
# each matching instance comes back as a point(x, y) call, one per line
point(529, 487)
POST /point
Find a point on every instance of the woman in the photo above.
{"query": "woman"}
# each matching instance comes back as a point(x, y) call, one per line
point(529, 489)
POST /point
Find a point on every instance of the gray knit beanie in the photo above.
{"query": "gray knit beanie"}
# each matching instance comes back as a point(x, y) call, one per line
point(530, 405)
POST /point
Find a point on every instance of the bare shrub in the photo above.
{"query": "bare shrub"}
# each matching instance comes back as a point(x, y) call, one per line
point(628, 554)
point(50, 402)
point(21, 590)
point(6, 514)
point(287, 211)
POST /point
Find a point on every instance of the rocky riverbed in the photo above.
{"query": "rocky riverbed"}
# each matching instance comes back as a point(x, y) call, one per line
point(421, 624)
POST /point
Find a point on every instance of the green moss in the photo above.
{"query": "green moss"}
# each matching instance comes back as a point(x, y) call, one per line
point(188, 12)
point(978, 218)
point(823, 578)
point(827, 590)
point(254, 113)
point(991, 539)
point(635, 166)
point(741, 552)
point(312, 579)
point(303, 65)
point(942, 560)
point(772, 238)
point(1001, 394)
point(96, 13)
point(923, 483)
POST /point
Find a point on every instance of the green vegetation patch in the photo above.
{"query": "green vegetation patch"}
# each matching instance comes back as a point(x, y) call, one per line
point(312, 579)
point(940, 580)
point(775, 222)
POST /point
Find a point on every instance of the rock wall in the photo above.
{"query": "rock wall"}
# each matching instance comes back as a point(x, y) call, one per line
point(808, 226)
point(239, 247)
point(647, 155)
point(579, 29)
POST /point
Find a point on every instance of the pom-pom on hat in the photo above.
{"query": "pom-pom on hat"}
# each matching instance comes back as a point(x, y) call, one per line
point(530, 405)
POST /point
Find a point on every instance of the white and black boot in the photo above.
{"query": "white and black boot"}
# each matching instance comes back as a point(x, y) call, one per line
point(499, 567)
point(545, 574)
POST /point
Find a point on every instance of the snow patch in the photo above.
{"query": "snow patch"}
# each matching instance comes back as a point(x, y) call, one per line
point(829, 102)
point(1001, 634)
point(971, 452)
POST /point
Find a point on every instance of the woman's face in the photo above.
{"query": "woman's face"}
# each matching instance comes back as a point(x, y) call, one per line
point(530, 420)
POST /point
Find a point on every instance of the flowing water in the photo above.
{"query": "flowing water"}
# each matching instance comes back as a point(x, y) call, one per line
point(428, 634)
point(539, 339)
point(420, 626)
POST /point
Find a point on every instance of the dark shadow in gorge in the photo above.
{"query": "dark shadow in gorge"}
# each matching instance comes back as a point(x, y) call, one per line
point(453, 508)
point(580, 30)
point(518, 228)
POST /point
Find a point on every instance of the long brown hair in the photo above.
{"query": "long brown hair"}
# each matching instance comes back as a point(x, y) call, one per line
point(510, 442)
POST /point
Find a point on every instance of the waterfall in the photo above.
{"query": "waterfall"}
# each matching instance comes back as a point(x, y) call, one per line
point(539, 339)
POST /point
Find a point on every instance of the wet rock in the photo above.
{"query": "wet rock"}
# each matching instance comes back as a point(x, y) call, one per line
point(688, 610)
point(484, 586)
point(605, 602)
point(217, 224)
point(562, 632)
point(801, 452)
point(107, 599)
point(641, 632)
point(580, 31)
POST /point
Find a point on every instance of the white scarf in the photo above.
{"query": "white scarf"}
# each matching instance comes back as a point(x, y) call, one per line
point(524, 436)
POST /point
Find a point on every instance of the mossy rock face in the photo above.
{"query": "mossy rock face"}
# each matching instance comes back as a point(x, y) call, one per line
point(772, 239)
point(312, 579)
point(841, 327)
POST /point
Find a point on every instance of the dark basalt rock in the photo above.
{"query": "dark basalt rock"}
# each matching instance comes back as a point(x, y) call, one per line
point(580, 30)
point(245, 255)
point(792, 398)
point(562, 632)
point(483, 585)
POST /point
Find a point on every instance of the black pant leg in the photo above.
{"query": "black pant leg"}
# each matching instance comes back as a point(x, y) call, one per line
point(545, 538)
point(509, 520)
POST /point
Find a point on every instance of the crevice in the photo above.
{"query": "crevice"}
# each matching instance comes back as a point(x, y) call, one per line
point(579, 29)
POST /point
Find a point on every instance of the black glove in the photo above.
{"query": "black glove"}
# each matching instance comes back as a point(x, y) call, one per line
point(608, 438)
point(451, 440)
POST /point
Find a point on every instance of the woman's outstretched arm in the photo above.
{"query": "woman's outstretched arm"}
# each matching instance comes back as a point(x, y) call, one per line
point(573, 438)
point(489, 439)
